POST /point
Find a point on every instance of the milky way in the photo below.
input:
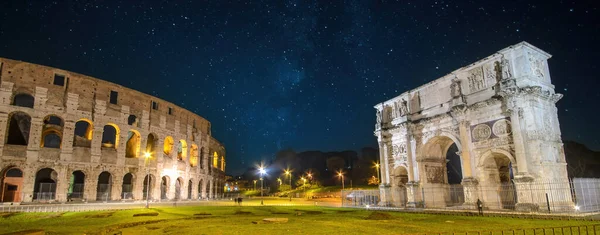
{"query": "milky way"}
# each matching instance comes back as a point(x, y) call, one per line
point(291, 74)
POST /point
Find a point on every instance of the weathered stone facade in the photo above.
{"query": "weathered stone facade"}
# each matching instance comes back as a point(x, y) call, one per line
point(66, 136)
point(499, 112)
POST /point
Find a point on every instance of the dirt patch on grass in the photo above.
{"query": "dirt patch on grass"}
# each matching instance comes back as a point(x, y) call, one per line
point(146, 214)
point(7, 214)
point(242, 213)
point(310, 212)
point(101, 215)
point(53, 215)
point(127, 225)
point(379, 216)
point(29, 232)
point(342, 212)
point(202, 214)
point(279, 213)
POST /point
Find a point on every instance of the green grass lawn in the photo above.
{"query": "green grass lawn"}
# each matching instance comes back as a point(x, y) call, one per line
point(238, 220)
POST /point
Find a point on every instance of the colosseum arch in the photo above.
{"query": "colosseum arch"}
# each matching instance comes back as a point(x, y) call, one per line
point(151, 144)
point(168, 146)
point(11, 184)
point(178, 186)
point(17, 131)
point(44, 188)
point(149, 181)
point(23, 100)
point(127, 186)
point(505, 101)
point(201, 157)
point(52, 132)
point(182, 150)
point(190, 186)
point(200, 187)
point(132, 146)
point(76, 185)
point(132, 120)
point(194, 155)
point(164, 187)
point(104, 186)
point(110, 136)
point(83, 133)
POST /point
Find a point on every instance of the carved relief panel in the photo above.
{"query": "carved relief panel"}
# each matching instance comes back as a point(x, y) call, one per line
point(476, 80)
point(536, 64)
point(435, 174)
point(492, 133)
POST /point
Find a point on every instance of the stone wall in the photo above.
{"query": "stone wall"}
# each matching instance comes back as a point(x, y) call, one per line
point(72, 99)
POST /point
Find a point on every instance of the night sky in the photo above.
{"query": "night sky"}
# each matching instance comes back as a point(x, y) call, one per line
point(292, 74)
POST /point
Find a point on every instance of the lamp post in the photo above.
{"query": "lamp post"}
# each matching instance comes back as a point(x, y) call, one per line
point(289, 173)
point(262, 172)
point(377, 166)
point(304, 179)
point(147, 156)
point(309, 179)
point(254, 185)
point(342, 179)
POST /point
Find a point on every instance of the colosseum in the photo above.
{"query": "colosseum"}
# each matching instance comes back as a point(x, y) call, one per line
point(69, 137)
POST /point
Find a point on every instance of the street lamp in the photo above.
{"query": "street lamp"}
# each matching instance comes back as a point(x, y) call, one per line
point(147, 156)
point(289, 173)
point(304, 179)
point(341, 178)
point(377, 166)
point(262, 172)
point(254, 185)
point(279, 180)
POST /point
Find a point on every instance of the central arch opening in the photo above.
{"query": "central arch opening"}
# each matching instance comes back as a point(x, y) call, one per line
point(103, 189)
point(442, 167)
point(498, 173)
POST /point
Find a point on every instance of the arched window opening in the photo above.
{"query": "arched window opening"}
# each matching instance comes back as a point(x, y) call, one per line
point(18, 128)
point(148, 181)
point(76, 186)
point(23, 100)
point(83, 134)
point(168, 146)
point(52, 132)
point(178, 185)
point(194, 155)
point(110, 136)
point(200, 190)
point(182, 150)
point(164, 187)
point(201, 158)
point(215, 160)
point(132, 120)
point(127, 187)
point(11, 185)
point(45, 184)
point(190, 184)
point(133, 144)
point(150, 143)
point(104, 187)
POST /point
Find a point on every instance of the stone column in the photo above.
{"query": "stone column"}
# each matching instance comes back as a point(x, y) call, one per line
point(525, 194)
point(62, 184)
point(116, 187)
point(413, 195)
point(96, 145)
point(384, 187)
point(3, 129)
point(66, 148)
point(122, 135)
point(90, 186)
point(138, 185)
point(35, 134)
point(470, 191)
point(519, 141)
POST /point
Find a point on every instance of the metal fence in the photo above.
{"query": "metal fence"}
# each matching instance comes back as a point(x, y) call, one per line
point(577, 195)
point(46, 192)
point(127, 191)
point(76, 191)
point(103, 192)
point(564, 230)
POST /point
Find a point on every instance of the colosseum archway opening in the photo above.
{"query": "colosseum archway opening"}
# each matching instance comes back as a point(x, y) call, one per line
point(182, 150)
point(12, 184)
point(127, 187)
point(132, 120)
point(164, 187)
point(194, 155)
point(168, 146)
point(399, 179)
point(151, 144)
point(23, 100)
point(110, 136)
point(83, 133)
point(443, 172)
point(148, 180)
point(76, 185)
point(52, 132)
point(44, 188)
point(209, 183)
point(103, 190)
point(18, 128)
point(132, 146)
point(190, 184)
point(201, 158)
point(200, 187)
point(178, 186)
point(497, 173)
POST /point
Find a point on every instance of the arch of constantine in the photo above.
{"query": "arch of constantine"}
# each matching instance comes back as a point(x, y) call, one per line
point(69, 137)
point(487, 131)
